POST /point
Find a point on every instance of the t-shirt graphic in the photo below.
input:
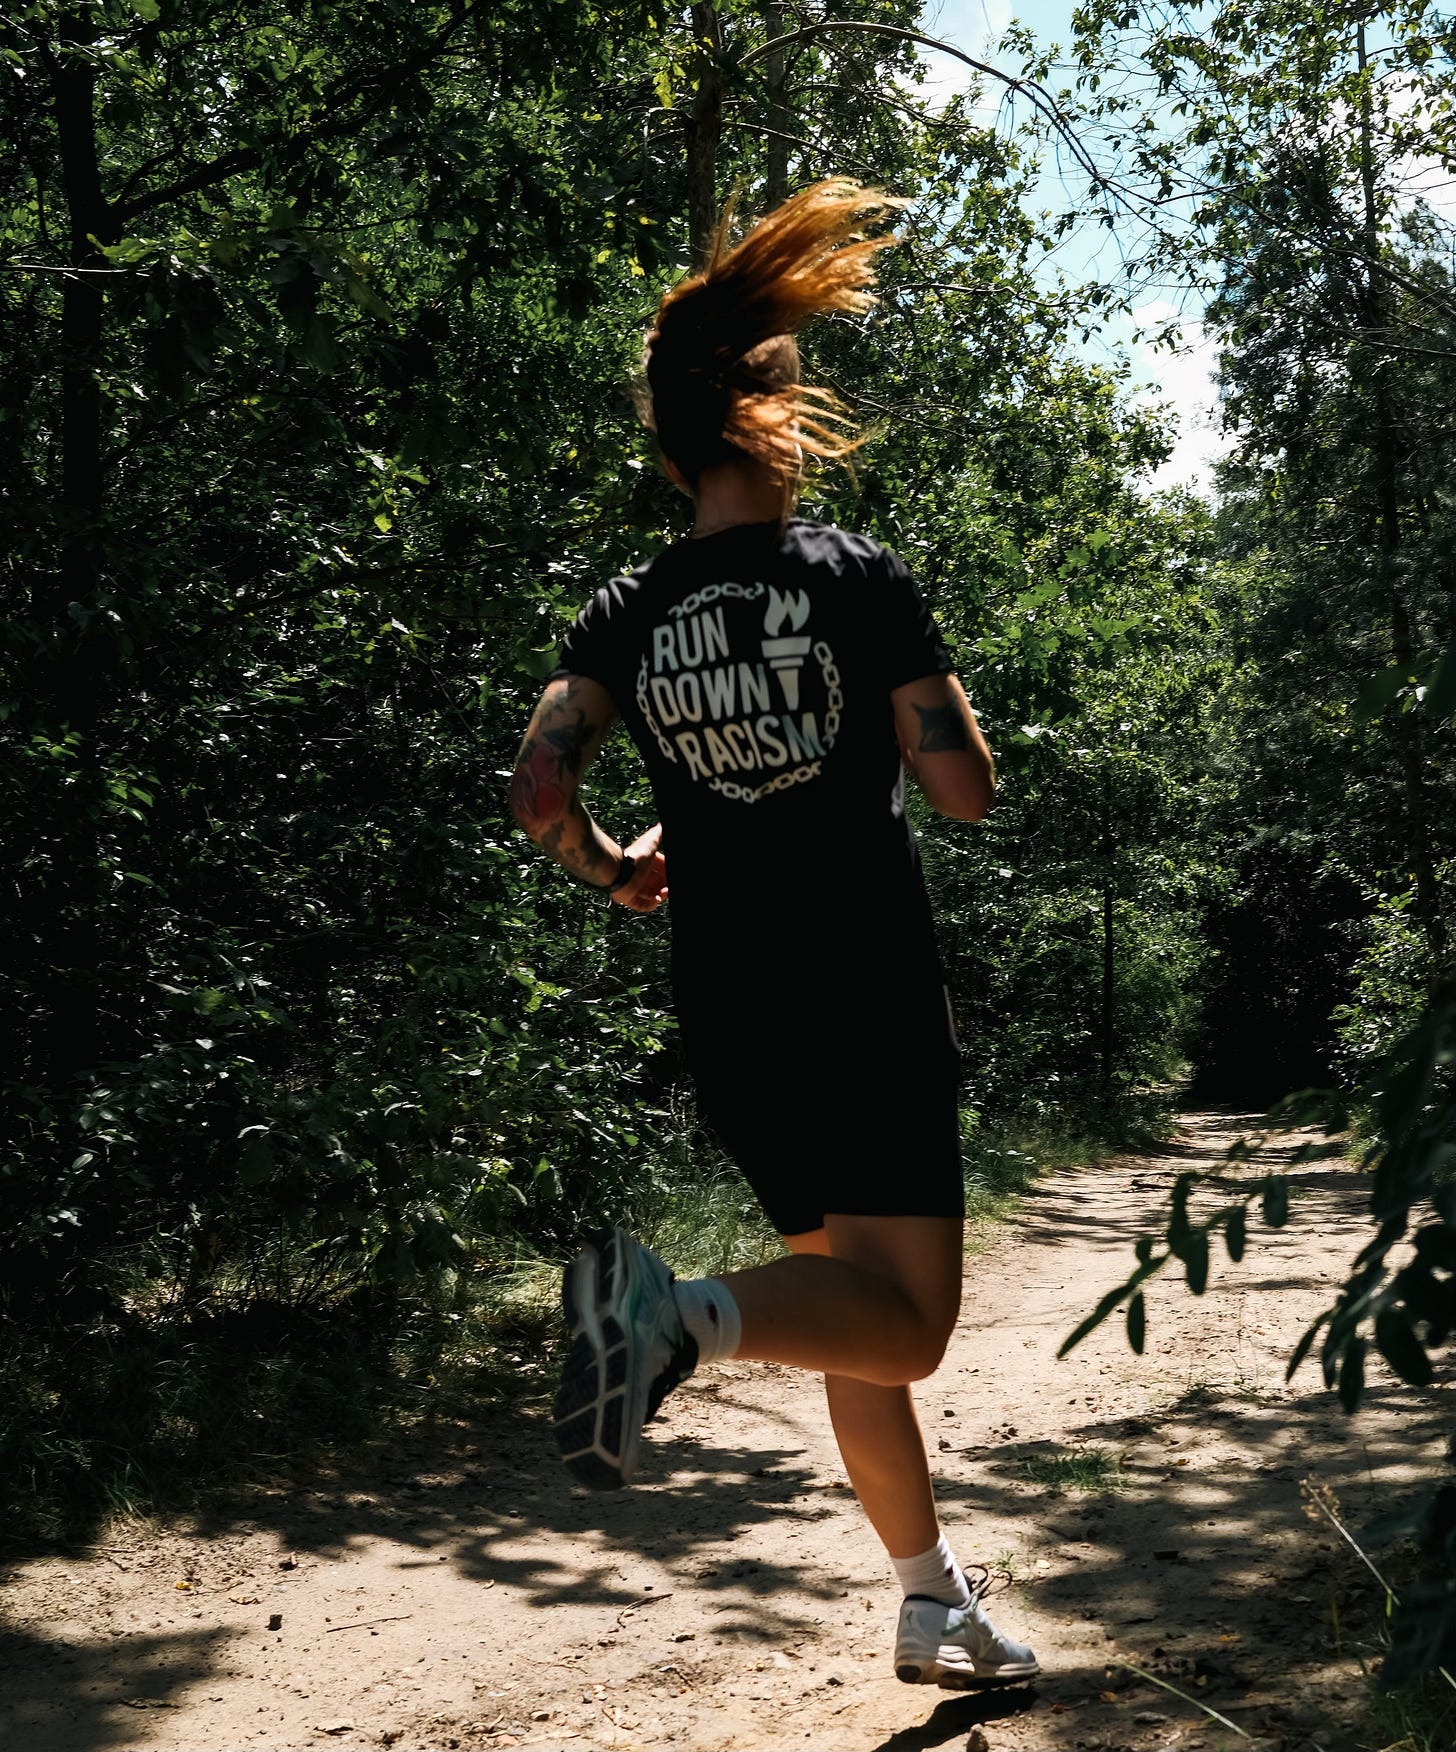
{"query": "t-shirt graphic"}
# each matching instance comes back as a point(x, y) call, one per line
point(745, 723)
point(754, 670)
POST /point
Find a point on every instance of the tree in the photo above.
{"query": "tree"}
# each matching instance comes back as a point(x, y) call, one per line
point(1289, 144)
point(319, 438)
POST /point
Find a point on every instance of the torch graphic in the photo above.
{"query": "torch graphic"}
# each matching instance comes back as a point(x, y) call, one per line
point(786, 655)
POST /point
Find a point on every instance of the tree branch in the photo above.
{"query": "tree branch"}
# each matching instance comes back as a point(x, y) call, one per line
point(1040, 97)
point(385, 84)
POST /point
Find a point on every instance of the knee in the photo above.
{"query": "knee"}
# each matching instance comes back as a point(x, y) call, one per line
point(917, 1358)
point(927, 1355)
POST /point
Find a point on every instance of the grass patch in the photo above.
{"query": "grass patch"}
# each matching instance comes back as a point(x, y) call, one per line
point(1417, 1718)
point(120, 1420)
point(1000, 1167)
point(1084, 1469)
point(703, 1222)
point(1013, 1564)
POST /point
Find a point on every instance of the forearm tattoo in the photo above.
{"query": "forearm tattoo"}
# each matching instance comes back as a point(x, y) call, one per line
point(560, 747)
point(574, 844)
point(942, 729)
point(559, 744)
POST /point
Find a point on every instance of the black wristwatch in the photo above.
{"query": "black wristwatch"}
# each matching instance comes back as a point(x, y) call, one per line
point(624, 875)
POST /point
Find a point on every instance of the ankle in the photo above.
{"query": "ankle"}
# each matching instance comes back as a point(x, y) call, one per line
point(711, 1317)
point(934, 1574)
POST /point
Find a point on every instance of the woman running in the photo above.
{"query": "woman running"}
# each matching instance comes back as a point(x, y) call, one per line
point(778, 676)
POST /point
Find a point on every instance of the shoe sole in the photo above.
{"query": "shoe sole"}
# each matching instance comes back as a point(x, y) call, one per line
point(958, 1678)
point(596, 1435)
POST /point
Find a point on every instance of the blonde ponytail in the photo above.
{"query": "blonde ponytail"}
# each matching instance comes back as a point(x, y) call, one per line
point(722, 367)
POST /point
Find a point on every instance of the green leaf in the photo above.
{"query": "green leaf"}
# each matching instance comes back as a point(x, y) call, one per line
point(146, 10)
point(537, 664)
point(1106, 1305)
point(128, 250)
point(1380, 691)
point(1137, 1323)
point(1276, 1201)
point(1352, 1374)
point(1094, 1319)
point(1398, 1344)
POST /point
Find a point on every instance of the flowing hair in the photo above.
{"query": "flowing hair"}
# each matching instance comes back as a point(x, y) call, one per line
point(722, 366)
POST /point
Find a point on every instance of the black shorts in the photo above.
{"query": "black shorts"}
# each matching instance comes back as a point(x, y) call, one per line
point(877, 1139)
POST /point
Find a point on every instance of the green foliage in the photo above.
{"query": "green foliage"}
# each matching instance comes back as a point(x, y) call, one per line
point(1332, 925)
point(346, 448)
point(1391, 977)
point(316, 437)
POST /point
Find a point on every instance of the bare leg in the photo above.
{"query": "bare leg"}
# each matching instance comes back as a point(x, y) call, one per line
point(882, 1448)
point(878, 1306)
point(884, 1455)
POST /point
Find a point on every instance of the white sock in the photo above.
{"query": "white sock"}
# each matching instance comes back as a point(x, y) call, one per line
point(711, 1315)
point(934, 1575)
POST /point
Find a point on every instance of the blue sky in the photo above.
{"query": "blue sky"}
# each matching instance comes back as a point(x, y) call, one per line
point(1182, 378)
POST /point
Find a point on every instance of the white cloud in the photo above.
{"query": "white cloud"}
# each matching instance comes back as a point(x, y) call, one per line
point(975, 26)
point(1183, 379)
point(1407, 97)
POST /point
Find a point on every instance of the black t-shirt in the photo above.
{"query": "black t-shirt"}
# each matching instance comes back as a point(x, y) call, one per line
point(753, 669)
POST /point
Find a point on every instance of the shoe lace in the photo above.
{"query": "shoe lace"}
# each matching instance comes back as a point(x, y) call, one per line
point(673, 1373)
point(984, 1582)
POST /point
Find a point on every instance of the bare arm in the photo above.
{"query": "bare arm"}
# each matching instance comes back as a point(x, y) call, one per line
point(942, 744)
point(561, 741)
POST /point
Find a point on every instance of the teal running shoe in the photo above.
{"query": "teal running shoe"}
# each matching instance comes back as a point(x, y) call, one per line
point(628, 1351)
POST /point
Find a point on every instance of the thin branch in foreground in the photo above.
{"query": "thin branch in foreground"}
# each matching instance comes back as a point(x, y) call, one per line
point(1041, 99)
point(1208, 1710)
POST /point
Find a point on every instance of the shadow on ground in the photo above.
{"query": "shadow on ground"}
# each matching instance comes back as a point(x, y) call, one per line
point(1203, 1567)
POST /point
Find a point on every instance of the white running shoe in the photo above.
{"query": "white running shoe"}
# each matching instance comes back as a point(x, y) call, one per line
point(628, 1351)
point(957, 1647)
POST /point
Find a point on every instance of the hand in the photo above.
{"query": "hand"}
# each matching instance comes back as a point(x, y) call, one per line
point(648, 888)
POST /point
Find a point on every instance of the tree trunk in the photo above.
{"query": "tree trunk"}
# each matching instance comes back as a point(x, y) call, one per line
point(81, 649)
point(1109, 850)
point(73, 83)
point(776, 146)
point(705, 127)
point(1389, 460)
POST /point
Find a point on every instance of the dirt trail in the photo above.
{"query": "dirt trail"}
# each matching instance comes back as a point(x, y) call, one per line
point(465, 1597)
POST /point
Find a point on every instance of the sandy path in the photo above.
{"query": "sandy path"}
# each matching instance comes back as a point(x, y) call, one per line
point(463, 1596)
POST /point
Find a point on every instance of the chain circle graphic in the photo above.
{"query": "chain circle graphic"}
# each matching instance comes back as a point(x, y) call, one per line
point(712, 593)
point(780, 782)
point(646, 711)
